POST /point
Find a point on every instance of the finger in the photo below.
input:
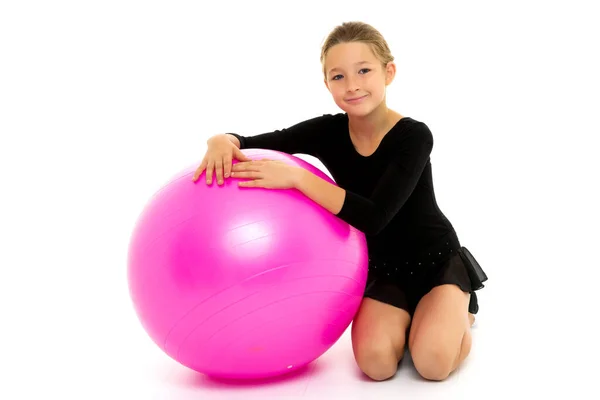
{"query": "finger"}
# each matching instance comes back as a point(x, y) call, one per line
point(247, 174)
point(245, 166)
point(199, 170)
point(227, 166)
point(219, 171)
point(209, 172)
point(251, 183)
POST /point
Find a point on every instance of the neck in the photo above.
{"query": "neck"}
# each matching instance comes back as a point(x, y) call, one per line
point(371, 126)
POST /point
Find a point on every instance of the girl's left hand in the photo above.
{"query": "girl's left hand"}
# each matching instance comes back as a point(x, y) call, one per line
point(269, 174)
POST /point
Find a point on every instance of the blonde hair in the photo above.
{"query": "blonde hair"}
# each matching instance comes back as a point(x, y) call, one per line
point(356, 31)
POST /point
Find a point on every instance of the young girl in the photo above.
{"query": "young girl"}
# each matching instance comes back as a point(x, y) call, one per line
point(421, 283)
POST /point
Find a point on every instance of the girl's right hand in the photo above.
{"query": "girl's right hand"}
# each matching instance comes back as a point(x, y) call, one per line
point(218, 159)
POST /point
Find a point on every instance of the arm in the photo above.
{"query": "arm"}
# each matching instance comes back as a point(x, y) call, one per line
point(233, 139)
point(330, 197)
point(371, 215)
point(303, 137)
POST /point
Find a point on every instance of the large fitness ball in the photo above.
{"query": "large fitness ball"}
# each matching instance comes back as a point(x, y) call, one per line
point(244, 282)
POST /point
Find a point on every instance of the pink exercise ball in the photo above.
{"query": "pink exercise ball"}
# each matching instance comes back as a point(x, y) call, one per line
point(244, 283)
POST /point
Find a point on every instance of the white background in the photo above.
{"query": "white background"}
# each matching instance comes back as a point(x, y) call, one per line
point(102, 102)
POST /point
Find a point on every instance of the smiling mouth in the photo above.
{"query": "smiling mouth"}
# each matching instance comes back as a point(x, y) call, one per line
point(356, 98)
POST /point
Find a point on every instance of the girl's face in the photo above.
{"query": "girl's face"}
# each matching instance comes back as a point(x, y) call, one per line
point(356, 78)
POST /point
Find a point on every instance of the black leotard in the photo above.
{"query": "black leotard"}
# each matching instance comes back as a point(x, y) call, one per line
point(389, 194)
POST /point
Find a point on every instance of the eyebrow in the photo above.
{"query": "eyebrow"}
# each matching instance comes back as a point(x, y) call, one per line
point(358, 63)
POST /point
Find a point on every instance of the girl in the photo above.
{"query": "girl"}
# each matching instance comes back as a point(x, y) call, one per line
point(421, 283)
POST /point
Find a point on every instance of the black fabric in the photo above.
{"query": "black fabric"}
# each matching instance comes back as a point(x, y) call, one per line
point(389, 194)
point(402, 282)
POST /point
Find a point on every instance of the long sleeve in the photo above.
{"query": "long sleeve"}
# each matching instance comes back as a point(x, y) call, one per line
point(372, 214)
point(301, 138)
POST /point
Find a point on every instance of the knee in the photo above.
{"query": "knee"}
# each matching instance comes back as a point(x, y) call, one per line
point(377, 362)
point(433, 361)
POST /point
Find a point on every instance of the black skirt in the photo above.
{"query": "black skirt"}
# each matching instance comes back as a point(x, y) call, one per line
point(403, 282)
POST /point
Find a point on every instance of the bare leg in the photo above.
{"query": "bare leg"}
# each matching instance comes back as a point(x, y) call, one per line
point(440, 337)
point(378, 338)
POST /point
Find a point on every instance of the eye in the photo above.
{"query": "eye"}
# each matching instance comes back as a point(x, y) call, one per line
point(360, 71)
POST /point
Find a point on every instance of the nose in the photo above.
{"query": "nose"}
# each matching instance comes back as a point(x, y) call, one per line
point(351, 85)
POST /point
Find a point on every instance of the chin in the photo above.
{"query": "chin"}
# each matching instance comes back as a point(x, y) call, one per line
point(361, 111)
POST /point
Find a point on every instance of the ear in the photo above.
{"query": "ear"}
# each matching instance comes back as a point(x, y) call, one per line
point(326, 84)
point(390, 72)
